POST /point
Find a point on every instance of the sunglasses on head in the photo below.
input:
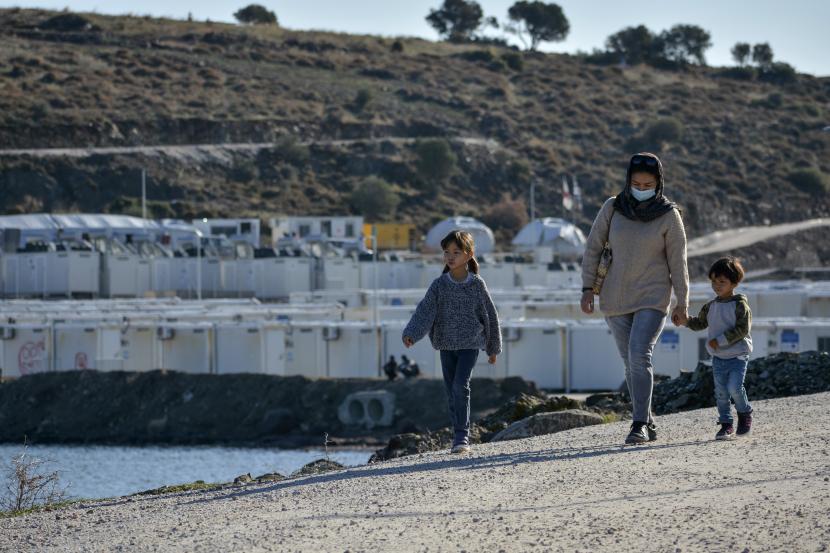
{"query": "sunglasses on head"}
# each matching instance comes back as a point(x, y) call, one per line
point(644, 160)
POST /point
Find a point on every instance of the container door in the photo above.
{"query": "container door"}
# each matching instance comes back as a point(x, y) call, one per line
point(274, 351)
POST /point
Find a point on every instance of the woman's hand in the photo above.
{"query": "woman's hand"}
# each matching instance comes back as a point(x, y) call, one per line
point(408, 342)
point(679, 316)
point(587, 302)
point(492, 359)
point(713, 343)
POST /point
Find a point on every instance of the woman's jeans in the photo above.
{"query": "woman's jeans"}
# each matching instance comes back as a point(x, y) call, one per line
point(729, 382)
point(635, 334)
point(458, 366)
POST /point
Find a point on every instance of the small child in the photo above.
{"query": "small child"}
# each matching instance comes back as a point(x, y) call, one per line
point(460, 317)
point(728, 319)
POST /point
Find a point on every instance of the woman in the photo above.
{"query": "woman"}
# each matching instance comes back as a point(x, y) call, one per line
point(648, 244)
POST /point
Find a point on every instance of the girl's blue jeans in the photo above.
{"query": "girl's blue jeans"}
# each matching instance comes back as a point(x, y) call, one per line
point(729, 382)
point(457, 367)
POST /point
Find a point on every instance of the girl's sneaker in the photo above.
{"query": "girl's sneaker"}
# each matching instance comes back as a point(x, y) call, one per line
point(460, 448)
point(744, 423)
point(726, 432)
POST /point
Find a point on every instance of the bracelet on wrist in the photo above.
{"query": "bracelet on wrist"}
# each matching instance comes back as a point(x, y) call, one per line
point(587, 289)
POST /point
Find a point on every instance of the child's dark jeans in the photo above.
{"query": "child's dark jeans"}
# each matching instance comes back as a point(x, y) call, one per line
point(729, 382)
point(457, 367)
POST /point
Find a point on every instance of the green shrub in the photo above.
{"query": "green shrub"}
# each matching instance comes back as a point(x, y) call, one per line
point(514, 61)
point(362, 99)
point(779, 73)
point(435, 163)
point(664, 131)
point(375, 199)
point(288, 149)
point(255, 14)
point(812, 181)
point(485, 56)
point(509, 215)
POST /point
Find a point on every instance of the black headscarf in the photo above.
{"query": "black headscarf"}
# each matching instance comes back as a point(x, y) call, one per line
point(650, 209)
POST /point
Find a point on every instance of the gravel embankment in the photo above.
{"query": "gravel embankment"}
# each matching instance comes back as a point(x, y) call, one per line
point(575, 490)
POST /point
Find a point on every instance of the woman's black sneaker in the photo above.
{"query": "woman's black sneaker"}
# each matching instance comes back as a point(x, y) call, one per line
point(744, 423)
point(638, 434)
point(726, 432)
point(651, 428)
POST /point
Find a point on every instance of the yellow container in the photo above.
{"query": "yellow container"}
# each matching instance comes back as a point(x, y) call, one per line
point(391, 236)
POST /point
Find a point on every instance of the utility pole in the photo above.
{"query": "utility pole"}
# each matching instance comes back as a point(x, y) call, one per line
point(532, 200)
point(143, 193)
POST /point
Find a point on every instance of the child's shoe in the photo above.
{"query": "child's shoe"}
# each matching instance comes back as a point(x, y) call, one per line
point(460, 449)
point(726, 432)
point(744, 423)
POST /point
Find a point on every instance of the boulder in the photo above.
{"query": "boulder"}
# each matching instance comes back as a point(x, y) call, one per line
point(243, 479)
point(270, 477)
point(319, 467)
point(548, 423)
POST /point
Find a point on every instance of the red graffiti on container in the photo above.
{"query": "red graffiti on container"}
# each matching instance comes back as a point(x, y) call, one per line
point(30, 357)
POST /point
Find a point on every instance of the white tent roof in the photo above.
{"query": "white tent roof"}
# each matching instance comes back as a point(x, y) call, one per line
point(565, 238)
point(46, 226)
point(483, 236)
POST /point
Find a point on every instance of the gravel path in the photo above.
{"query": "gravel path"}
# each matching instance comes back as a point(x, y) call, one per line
point(576, 490)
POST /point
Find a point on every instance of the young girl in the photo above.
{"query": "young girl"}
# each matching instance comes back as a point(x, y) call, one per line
point(460, 317)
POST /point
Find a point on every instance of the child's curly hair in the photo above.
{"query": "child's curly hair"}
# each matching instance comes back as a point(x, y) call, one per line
point(728, 267)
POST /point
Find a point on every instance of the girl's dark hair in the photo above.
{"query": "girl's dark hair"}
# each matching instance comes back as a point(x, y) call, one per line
point(728, 267)
point(464, 241)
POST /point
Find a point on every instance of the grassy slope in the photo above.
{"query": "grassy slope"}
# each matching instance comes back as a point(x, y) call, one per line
point(153, 81)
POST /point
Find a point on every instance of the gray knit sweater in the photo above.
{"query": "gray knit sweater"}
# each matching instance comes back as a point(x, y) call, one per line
point(457, 315)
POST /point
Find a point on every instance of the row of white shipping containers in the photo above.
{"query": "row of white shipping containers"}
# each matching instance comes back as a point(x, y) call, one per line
point(573, 355)
point(90, 274)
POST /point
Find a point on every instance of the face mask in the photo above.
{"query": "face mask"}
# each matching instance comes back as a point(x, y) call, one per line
point(643, 195)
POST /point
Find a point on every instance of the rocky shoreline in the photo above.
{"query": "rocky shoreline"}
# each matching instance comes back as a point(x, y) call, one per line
point(779, 375)
point(166, 407)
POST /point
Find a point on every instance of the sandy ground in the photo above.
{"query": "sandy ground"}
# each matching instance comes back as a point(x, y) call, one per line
point(574, 491)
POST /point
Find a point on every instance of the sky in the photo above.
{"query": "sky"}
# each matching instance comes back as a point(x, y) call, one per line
point(798, 30)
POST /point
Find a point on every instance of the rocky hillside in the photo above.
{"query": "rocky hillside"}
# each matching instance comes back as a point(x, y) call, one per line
point(337, 109)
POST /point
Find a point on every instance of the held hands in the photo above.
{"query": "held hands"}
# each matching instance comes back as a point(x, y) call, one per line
point(713, 343)
point(680, 316)
point(408, 342)
point(587, 302)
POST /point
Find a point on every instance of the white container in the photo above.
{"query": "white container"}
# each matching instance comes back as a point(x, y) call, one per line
point(779, 303)
point(76, 346)
point(73, 272)
point(277, 277)
point(188, 349)
point(595, 363)
point(239, 348)
point(536, 351)
point(499, 275)
point(305, 351)
point(351, 350)
point(532, 274)
point(125, 275)
point(139, 350)
point(238, 278)
point(341, 274)
point(26, 349)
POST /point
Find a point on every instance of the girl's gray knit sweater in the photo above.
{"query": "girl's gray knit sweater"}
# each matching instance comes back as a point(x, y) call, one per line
point(457, 315)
